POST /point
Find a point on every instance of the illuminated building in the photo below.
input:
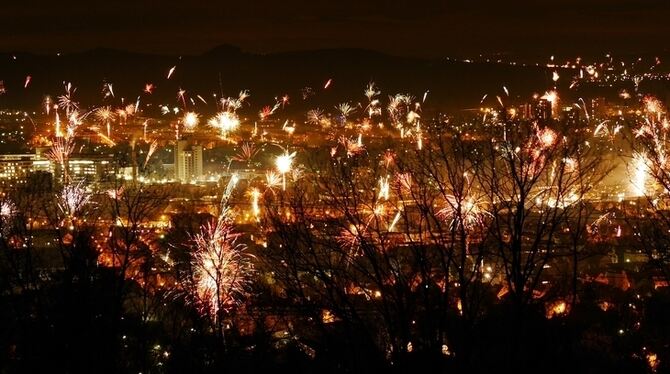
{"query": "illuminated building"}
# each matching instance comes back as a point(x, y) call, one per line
point(18, 169)
point(570, 115)
point(15, 169)
point(525, 111)
point(187, 161)
point(543, 110)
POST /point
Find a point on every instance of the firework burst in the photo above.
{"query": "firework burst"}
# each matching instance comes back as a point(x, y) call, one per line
point(345, 110)
point(190, 120)
point(351, 239)
point(7, 209)
point(353, 147)
point(468, 212)
point(7, 214)
point(60, 150)
point(226, 122)
point(72, 200)
point(66, 101)
point(272, 180)
point(222, 269)
point(105, 115)
point(247, 152)
point(316, 117)
point(60, 153)
point(284, 164)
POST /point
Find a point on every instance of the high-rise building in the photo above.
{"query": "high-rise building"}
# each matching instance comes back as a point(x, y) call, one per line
point(543, 110)
point(570, 115)
point(187, 161)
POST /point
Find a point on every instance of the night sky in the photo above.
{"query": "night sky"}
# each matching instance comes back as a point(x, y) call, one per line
point(424, 28)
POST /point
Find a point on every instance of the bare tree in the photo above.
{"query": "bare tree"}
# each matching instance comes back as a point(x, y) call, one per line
point(650, 177)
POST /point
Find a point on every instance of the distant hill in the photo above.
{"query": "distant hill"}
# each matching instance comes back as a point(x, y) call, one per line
point(226, 70)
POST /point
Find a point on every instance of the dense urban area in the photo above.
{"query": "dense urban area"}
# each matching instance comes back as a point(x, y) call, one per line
point(223, 231)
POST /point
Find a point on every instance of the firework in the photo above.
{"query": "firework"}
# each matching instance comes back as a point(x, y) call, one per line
point(171, 71)
point(297, 173)
point(107, 90)
point(398, 108)
point(404, 181)
point(226, 122)
point(284, 163)
point(395, 220)
point(7, 213)
point(546, 137)
point(640, 174)
point(351, 238)
point(247, 152)
point(653, 105)
point(27, 82)
point(602, 129)
point(353, 147)
point(47, 104)
point(190, 120)
point(66, 100)
point(181, 95)
point(254, 194)
point(152, 149)
point(413, 117)
point(115, 193)
point(553, 99)
point(288, 129)
point(328, 83)
point(57, 128)
point(149, 88)
point(272, 180)
point(105, 139)
point(60, 153)
point(230, 187)
point(125, 112)
point(307, 92)
point(72, 199)
point(466, 211)
point(222, 269)
point(345, 110)
point(7, 209)
point(383, 188)
point(284, 100)
point(105, 115)
point(387, 158)
point(314, 116)
point(371, 91)
point(267, 111)
point(74, 121)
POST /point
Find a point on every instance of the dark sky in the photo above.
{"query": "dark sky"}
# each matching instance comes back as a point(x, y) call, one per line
point(426, 28)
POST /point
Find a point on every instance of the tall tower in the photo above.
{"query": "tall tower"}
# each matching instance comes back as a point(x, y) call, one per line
point(197, 161)
point(179, 160)
point(187, 161)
